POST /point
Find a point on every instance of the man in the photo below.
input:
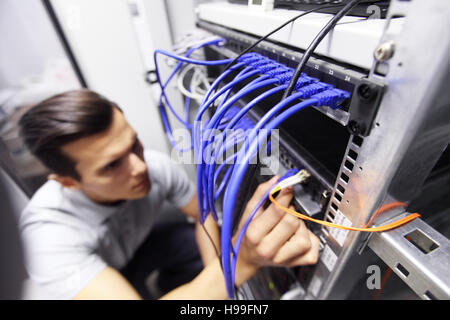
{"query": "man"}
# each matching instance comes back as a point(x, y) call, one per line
point(84, 228)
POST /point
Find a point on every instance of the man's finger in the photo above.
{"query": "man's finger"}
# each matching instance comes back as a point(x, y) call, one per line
point(311, 256)
point(260, 191)
point(268, 219)
point(296, 246)
point(278, 237)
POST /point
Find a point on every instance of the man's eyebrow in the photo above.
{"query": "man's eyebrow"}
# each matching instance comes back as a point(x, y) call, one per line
point(120, 155)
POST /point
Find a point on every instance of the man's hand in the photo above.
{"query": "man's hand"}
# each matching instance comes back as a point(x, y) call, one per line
point(274, 237)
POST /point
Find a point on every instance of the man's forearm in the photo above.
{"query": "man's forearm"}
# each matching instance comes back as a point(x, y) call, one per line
point(205, 240)
point(210, 284)
point(204, 243)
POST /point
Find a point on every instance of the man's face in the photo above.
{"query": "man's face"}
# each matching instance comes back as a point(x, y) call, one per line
point(111, 163)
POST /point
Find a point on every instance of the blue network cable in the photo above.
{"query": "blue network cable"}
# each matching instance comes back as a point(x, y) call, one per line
point(174, 72)
point(206, 103)
point(259, 72)
point(241, 234)
point(245, 60)
point(255, 62)
point(218, 148)
point(232, 140)
point(282, 75)
point(163, 96)
point(219, 79)
point(201, 179)
point(199, 144)
point(206, 200)
point(212, 179)
point(243, 72)
point(192, 61)
point(234, 135)
point(307, 86)
point(238, 116)
point(330, 97)
point(251, 60)
point(228, 210)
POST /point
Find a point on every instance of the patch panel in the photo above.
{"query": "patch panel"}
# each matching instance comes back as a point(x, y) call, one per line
point(357, 115)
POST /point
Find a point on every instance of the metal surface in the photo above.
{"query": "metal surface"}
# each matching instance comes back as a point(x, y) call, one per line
point(385, 51)
point(425, 265)
point(64, 42)
point(408, 135)
point(383, 165)
point(12, 271)
point(359, 34)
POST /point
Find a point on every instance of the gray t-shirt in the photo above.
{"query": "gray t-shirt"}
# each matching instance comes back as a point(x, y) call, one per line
point(69, 238)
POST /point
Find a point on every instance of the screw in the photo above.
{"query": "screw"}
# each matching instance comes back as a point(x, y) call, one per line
point(354, 127)
point(366, 92)
point(385, 51)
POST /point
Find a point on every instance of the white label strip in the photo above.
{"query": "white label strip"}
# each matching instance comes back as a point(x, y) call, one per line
point(329, 258)
point(315, 285)
point(340, 234)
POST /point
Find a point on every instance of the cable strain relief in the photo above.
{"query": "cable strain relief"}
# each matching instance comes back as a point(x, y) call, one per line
point(332, 98)
point(314, 88)
point(304, 80)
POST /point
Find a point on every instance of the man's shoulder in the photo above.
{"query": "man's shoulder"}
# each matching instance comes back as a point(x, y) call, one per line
point(158, 164)
point(49, 192)
point(155, 157)
point(160, 161)
point(50, 207)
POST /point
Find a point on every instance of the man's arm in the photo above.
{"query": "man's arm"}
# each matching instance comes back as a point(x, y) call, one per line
point(109, 284)
point(209, 284)
point(272, 238)
point(207, 241)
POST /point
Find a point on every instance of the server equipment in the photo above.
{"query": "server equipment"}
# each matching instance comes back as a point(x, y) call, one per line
point(369, 138)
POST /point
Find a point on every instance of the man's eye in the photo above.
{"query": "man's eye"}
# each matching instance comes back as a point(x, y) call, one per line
point(113, 165)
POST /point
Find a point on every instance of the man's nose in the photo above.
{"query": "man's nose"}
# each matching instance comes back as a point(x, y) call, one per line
point(138, 166)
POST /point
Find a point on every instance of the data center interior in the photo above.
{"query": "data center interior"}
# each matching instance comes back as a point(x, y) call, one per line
point(356, 91)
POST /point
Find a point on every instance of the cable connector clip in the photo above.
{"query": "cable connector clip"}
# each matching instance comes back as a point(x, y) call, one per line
point(299, 177)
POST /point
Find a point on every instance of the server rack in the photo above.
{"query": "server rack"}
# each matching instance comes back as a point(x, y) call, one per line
point(398, 127)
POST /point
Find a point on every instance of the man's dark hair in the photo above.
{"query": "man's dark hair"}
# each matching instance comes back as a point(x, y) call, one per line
point(62, 119)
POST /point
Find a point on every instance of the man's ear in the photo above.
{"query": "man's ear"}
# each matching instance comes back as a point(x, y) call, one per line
point(65, 181)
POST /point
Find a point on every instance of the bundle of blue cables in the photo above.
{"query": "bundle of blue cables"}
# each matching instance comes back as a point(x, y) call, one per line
point(270, 77)
point(229, 127)
point(164, 100)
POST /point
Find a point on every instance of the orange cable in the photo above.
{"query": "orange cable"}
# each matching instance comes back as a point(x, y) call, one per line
point(386, 275)
point(385, 278)
point(384, 208)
